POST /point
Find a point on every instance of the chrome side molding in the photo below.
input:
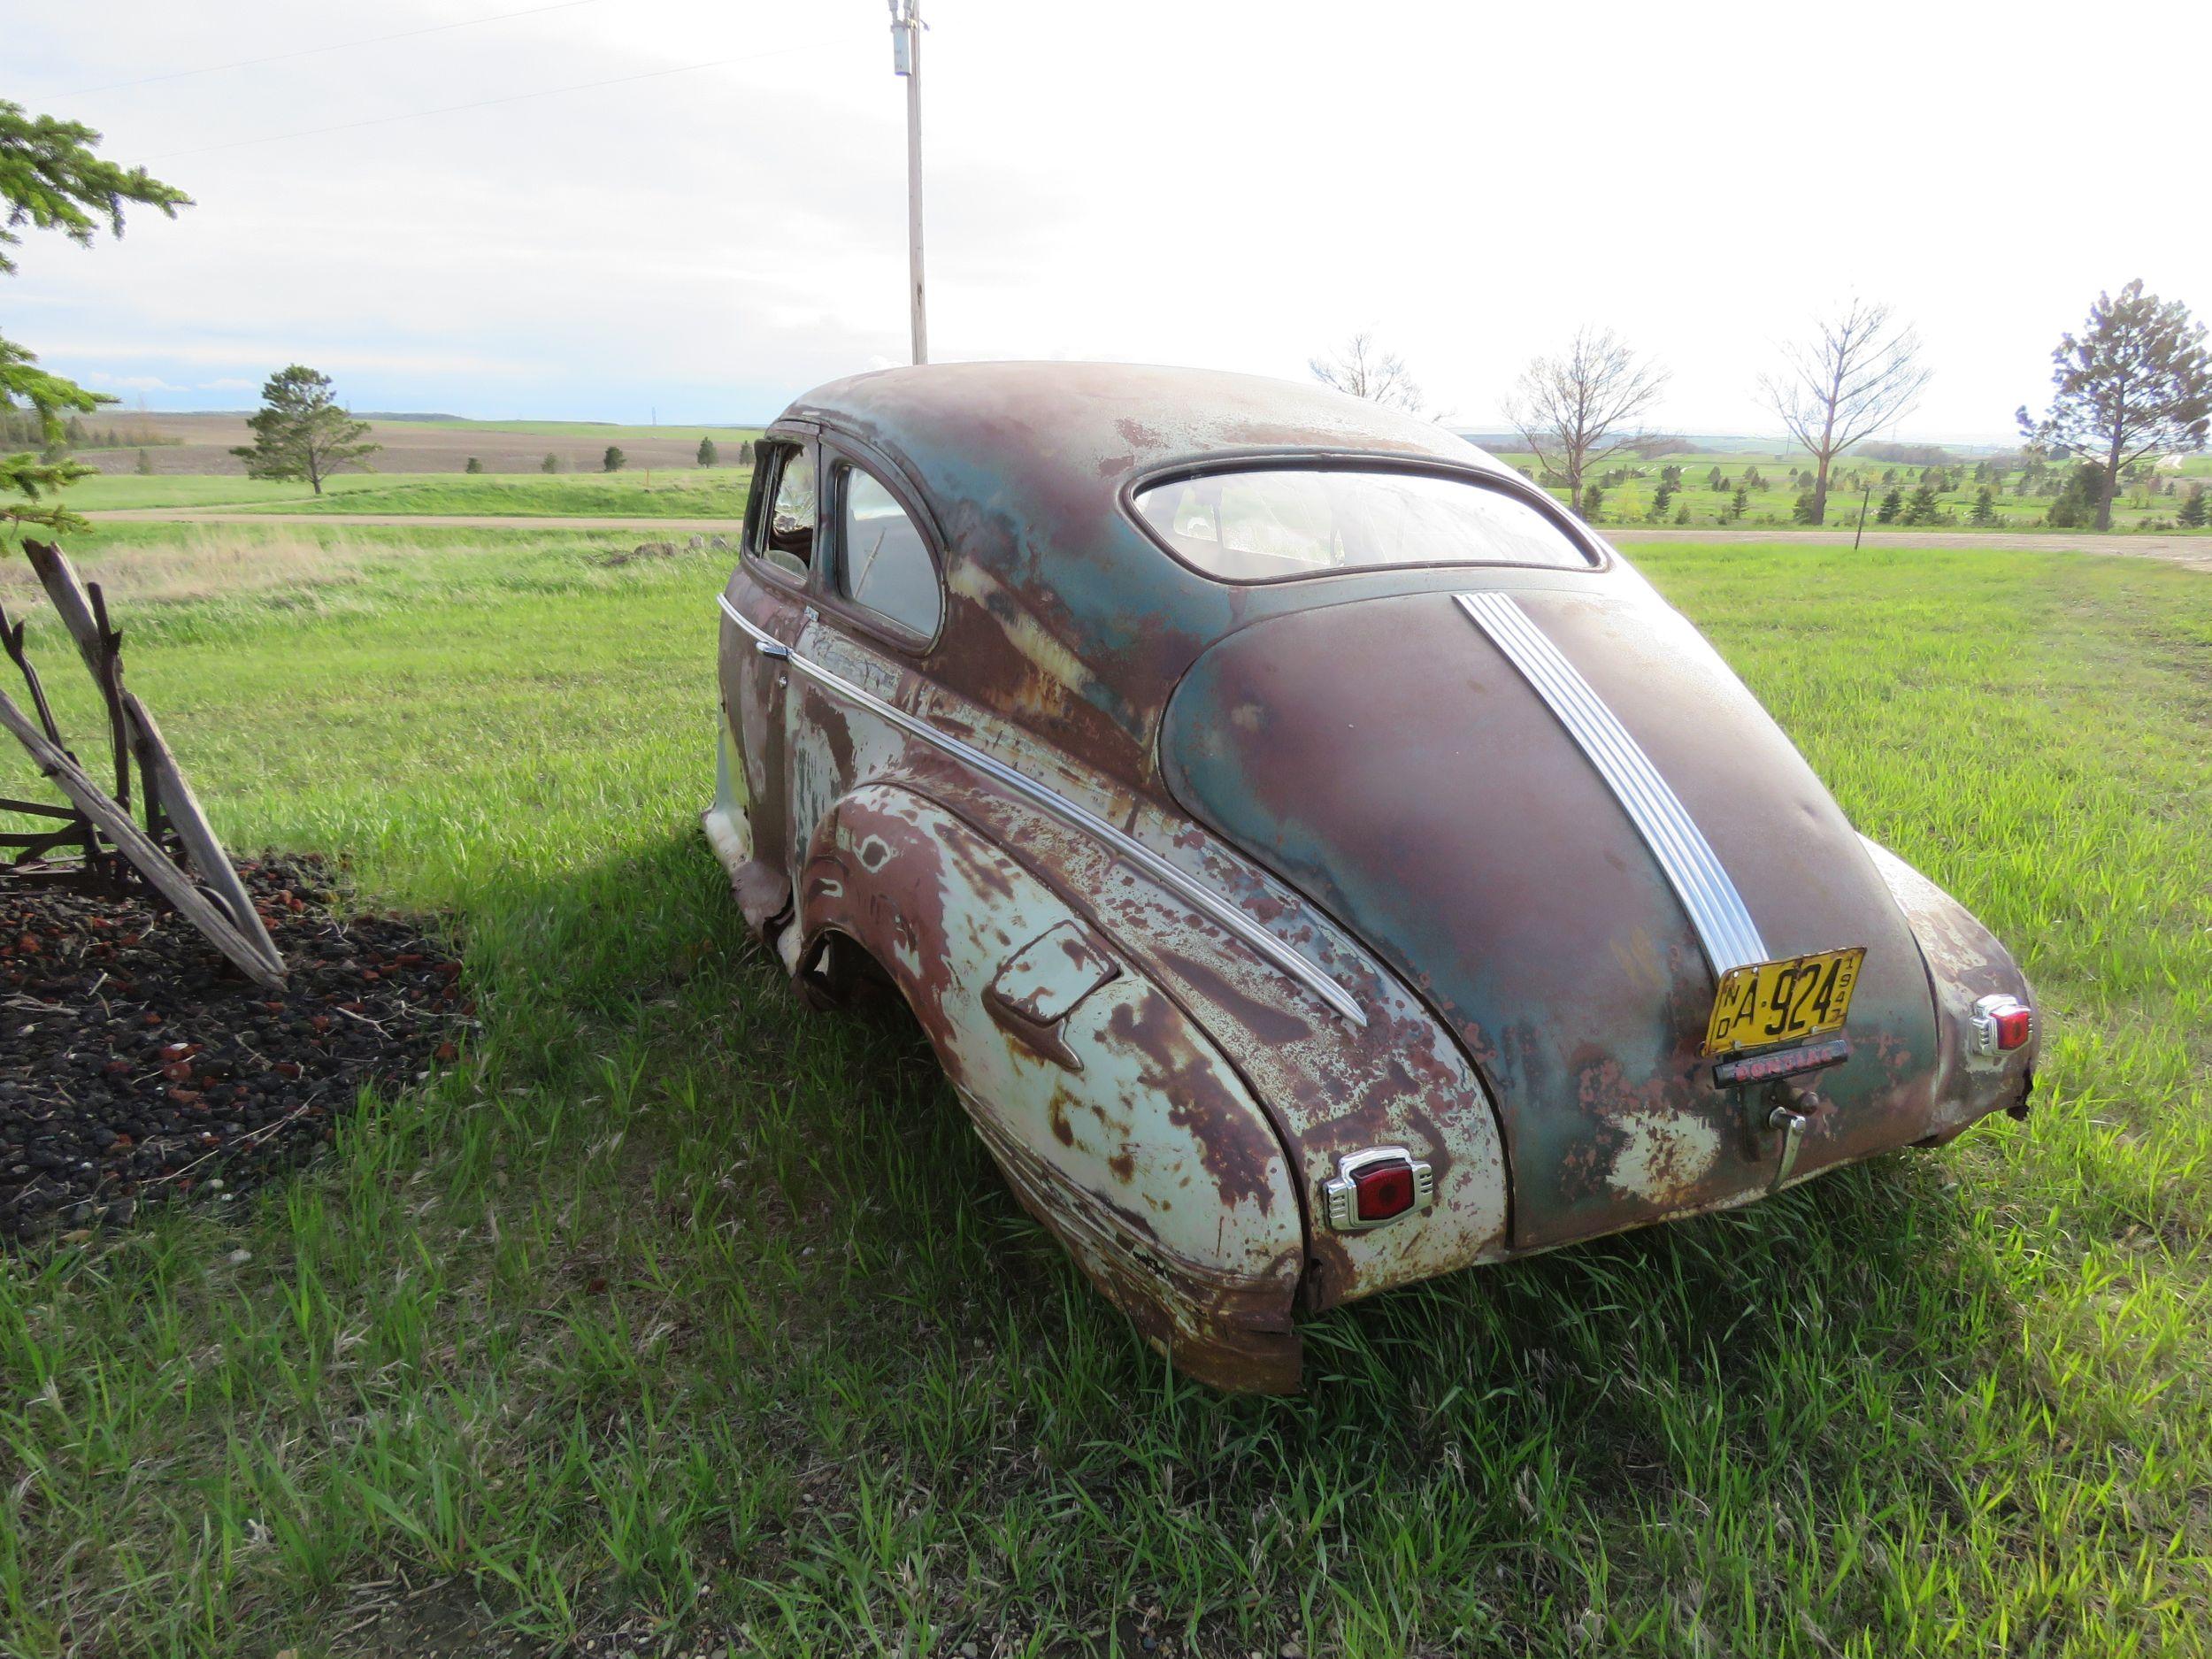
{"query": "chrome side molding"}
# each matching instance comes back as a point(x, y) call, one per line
point(1170, 875)
point(1717, 911)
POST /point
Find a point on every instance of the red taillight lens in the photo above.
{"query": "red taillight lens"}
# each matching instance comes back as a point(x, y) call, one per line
point(1382, 1193)
point(2012, 1028)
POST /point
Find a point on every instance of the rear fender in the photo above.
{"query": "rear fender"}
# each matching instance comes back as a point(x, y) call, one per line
point(1965, 963)
point(1118, 1122)
point(1333, 1086)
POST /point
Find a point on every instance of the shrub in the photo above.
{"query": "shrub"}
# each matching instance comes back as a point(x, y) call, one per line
point(614, 460)
point(474, 465)
point(551, 464)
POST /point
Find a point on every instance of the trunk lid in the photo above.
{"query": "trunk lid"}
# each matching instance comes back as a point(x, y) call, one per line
point(1388, 758)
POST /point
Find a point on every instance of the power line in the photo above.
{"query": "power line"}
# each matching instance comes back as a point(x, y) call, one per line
point(336, 46)
point(483, 104)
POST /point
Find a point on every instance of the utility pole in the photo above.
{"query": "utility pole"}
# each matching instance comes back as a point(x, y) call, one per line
point(906, 59)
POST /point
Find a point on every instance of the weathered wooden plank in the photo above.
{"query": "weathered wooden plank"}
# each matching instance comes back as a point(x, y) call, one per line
point(201, 848)
point(115, 823)
point(86, 618)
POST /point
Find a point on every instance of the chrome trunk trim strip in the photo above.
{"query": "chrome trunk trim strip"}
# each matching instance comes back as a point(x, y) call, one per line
point(1168, 874)
point(1717, 911)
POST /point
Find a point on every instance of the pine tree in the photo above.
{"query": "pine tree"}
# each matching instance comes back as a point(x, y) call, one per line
point(1716, 479)
point(1741, 500)
point(1592, 499)
point(2194, 513)
point(1662, 497)
point(2138, 383)
point(1922, 508)
point(145, 467)
point(49, 179)
point(474, 465)
point(302, 431)
point(614, 460)
point(1802, 509)
point(745, 453)
point(1985, 506)
point(709, 456)
point(551, 464)
point(1892, 504)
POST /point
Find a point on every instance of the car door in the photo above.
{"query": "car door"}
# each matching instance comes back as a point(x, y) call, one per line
point(771, 591)
point(880, 602)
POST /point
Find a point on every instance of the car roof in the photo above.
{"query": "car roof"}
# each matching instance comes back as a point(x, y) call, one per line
point(1061, 614)
point(1078, 431)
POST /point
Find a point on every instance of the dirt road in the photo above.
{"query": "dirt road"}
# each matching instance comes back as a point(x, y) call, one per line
point(2194, 552)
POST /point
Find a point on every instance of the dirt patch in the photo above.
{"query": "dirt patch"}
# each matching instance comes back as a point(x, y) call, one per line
point(135, 1063)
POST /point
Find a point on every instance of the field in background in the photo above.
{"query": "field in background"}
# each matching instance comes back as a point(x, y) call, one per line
point(193, 467)
point(683, 493)
point(675, 1308)
point(201, 445)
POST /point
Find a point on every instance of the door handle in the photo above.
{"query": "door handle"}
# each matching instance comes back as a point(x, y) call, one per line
point(769, 648)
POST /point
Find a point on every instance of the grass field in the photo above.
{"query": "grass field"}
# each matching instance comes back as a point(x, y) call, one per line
point(673, 1306)
point(694, 493)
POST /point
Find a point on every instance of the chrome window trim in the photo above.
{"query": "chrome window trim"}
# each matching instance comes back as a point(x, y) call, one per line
point(1168, 874)
point(1717, 911)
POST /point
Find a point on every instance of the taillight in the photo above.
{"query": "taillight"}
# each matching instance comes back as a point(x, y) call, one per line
point(1376, 1186)
point(2002, 1024)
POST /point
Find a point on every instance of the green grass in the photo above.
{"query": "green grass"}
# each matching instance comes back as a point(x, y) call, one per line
point(669, 493)
point(676, 1306)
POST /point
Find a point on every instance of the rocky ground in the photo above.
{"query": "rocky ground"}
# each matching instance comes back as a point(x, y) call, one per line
point(136, 1064)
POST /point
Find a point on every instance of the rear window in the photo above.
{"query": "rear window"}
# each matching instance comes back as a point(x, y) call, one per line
point(1265, 524)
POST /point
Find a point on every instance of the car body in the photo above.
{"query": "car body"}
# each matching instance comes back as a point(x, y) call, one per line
point(1315, 857)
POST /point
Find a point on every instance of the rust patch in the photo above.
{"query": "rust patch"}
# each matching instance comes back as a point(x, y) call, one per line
point(1238, 1161)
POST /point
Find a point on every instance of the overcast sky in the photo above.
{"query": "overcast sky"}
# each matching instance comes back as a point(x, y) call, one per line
point(1228, 184)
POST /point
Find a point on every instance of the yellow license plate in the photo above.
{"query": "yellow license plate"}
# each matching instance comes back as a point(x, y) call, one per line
point(1768, 1002)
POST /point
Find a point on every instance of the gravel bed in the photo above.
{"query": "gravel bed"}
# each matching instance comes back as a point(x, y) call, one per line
point(135, 1063)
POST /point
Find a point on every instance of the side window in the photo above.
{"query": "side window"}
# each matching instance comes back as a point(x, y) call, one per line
point(785, 538)
point(884, 564)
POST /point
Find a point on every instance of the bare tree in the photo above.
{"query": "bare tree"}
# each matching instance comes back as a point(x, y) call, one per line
point(1861, 374)
point(1364, 369)
point(1586, 403)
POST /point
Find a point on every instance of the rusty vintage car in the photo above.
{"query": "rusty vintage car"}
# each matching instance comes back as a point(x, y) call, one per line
point(1319, 862)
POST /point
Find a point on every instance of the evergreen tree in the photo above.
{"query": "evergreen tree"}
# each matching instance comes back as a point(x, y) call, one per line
point(1662, 497)
point(474, 465)
point(302, 431)
point(1892, 504)
point(145, 467)
point(49, 179)
point(708, 455)
point(2193, 514)
point(745, 453)
point(1985, 506)
point(1922, 508)
point(1716, 479)
point(1739, 502)
point(1803, 511)
point(551, 464)
point(1592, 499)
point(2138, 383)
point(614, 460)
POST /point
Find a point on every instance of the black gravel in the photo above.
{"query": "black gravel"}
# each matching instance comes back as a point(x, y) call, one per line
point(137, 1064)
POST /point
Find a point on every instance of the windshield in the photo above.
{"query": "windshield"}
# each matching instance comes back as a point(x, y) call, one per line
point(1268, 523)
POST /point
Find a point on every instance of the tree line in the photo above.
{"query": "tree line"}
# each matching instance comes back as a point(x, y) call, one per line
point(2134, 384)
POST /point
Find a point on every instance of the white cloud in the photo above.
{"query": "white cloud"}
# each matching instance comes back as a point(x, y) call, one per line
point(1228, 185)
point(132, 382)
